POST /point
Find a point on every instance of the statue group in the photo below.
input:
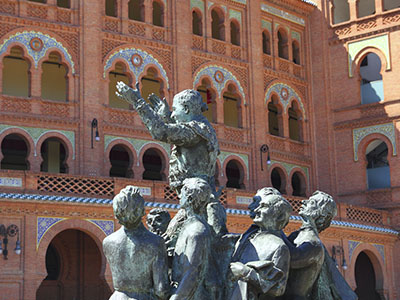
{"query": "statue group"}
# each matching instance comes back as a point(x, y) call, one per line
point(193, 256)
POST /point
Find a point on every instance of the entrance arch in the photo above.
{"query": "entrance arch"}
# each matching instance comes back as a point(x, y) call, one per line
point(366, 278)
point(74, 268)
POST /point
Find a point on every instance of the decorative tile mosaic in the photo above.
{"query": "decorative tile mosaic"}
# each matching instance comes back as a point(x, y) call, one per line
point(286, 94)
point(139, 67)
point(296, 36)
point(352, 246)
point(289, 168)
point(234, 14)
point(283, 14)
point(224, 8)
point(43, 224)
point(240, 1)
point(266, 25)
point(37, 53)
point(210, 4)
point(197, 3)
point(381, 250)
point(387, 130)
point(106, 226)
point(37, 133)
point(136, 144)
point(210, 71)
point(379, 42)
point(245, 158)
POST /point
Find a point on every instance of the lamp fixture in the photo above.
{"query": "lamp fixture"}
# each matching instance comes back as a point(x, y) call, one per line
point(95, 126)
point(338, 251)
point(10, 231)
point(264, 149)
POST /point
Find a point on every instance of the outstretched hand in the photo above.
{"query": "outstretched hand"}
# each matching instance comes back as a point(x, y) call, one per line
point(127, 93)
point(160, 106)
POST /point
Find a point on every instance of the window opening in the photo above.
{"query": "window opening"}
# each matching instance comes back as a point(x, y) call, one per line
point(118, 74)
point(341, 11)
point(235, 34)
point(152, 163)
point(378, 170)
point(136, 10)
point(278, 181)
point(298, 185)
point(371, 79)
point(54, 156)
point(266, 43)
point(54, 79)
point(365, 278)
point(197, 26)
point(63, 3)
point(158, 14)
point(217, 25)
point(111, 8)
point(121, 162)
point(15, 153)
point(16, 75)
point(296, 53)
point(365, 8)
point(283, 48)
point(234, 175)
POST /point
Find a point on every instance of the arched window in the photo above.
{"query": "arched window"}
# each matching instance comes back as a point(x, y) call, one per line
point(365, 278)
point(341, 11)
point(283, 47)
point(16, 75)
point(266, 42)
point(121, 162)
point(54, 78)
point(232, 107)
point(136, 10)
point(278, 180)
point(152, 84)
point(217, 25)
point(235, 33)
point(371, 79)
point(38, 1)
point(197, 24)
point(298, 184)
point(295, 123)
point(234, 174)
point(158, 14)
point(64, 3)
point(153, 164)
point(296, 52)
point(54, 156)
point(111, 8)
point(118, 74)
point(365, 8)
point(15, 153)
point(378, 170)
point(275, 122)
point(390, 4)
point(208, 96)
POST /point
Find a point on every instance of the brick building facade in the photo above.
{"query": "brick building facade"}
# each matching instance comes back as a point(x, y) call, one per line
point(302, 95)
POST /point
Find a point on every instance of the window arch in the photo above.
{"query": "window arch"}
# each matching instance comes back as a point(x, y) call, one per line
point(275, 121)
point(341, 11)
point(266, 40)
point(121, 160)
point(298, 184)
point(197, 23)
point(278, 180)
point(153, 164)
point(158, 14)
point(54, 79)
point(111, 8)
point(217, 24)
point(283, 47)
point(235, 33)
point(295, 122)
point(232, 107)
point(119, 73)
point(136, 10)
point(209, 97)
point(371, 79)
point(16, 73)
point(152, 84)
point(296, 52)
point(64, 3)
point(234, 174)
point(54, 156)
point(365, 8)
point(378, 170)
point(15, 153)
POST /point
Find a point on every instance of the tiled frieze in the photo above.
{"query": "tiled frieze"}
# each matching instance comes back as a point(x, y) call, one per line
point(43, 224)
point(106, 226)
point(282, 14)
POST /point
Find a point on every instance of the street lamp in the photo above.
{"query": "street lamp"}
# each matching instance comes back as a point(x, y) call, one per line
point(338, 251)
point(95, 126)
point(263, 149)
point(10, 231)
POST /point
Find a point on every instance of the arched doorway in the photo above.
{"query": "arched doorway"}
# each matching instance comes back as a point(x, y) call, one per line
point(74, 266)
point(365, 278)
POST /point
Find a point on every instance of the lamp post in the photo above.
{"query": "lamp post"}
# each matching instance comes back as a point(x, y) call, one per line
point(263, 149)
point(95, 126)
point(11, 231)
point(338, 251)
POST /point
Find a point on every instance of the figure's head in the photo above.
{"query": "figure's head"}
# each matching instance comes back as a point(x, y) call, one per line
point(257, 198)
point(128, 207)
point(195, 194)
point(273, 213)
point(157, 220)
point(321, 208)
point(186, 105)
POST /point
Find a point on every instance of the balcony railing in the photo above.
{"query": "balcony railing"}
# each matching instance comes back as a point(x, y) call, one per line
point(27, 182)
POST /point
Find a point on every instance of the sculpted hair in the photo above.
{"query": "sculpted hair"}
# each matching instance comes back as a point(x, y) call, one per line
point(198, 191)
point(268, 191)
point(326, 212)
point(282, 209)
point(193, 100)
point(128, 206)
